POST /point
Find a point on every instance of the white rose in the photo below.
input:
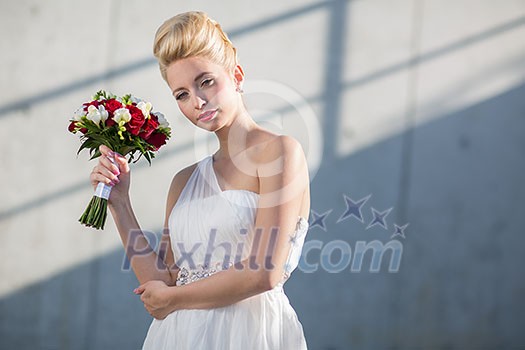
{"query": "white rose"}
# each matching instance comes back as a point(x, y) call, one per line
point(121, 115)
point(145, 107)
point(162, 120)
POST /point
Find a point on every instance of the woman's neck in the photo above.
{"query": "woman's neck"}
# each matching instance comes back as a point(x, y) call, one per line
point(233, 137)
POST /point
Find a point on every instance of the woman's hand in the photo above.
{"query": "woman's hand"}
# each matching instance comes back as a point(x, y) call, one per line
point(117, 175)
point(156, 297)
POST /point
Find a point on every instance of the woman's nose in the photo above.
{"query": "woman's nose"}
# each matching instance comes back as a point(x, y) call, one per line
point(199, 102)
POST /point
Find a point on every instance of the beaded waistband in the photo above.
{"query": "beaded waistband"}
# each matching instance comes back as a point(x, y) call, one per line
point(186, 276)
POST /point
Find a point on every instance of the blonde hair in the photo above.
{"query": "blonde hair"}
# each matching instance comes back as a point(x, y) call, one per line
point(191, 34)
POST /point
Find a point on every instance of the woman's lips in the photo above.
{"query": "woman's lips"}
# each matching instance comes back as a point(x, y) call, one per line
point(208, 115)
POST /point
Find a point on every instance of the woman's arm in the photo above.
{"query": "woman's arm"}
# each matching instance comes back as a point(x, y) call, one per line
point(145, 262)
point(281, 193)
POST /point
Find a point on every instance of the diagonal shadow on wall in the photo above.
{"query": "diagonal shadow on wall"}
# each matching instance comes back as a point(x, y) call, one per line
point(460, 271)
point(331, 93)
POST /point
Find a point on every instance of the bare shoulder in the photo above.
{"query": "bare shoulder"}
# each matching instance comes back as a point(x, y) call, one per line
point(281, 164)
point(275, 152)
point(282, 171)
point(266, 146)
point(285, 146)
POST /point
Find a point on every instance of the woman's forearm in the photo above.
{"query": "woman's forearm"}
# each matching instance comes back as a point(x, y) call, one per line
point(145, 262)
point(220, 289)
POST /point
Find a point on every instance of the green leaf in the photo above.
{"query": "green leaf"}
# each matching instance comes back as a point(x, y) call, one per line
point(96, 155)
point(148, 157)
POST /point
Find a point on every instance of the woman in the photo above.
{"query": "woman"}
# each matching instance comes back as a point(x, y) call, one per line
point(235, 220)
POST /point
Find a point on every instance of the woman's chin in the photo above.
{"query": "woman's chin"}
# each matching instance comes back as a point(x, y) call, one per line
point(210, 126)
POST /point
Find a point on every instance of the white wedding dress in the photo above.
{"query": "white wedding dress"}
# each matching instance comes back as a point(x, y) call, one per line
point(206, 225)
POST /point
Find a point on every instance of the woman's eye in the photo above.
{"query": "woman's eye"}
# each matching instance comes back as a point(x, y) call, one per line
point(207, 82)
point(180, 96)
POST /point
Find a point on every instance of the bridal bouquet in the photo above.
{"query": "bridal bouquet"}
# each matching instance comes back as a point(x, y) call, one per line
point(127, 126)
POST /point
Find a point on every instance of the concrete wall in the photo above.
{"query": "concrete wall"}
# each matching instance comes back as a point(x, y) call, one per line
point(417, 105)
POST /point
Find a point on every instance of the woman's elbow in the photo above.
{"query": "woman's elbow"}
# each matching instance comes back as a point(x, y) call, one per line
point(268, 280)
point(262, 279)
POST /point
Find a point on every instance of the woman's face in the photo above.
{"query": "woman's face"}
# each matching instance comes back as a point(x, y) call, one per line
point(205, 92)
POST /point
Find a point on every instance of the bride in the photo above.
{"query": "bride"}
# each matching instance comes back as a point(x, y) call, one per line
point(235, 220)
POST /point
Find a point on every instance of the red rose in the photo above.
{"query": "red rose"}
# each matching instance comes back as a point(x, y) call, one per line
point(111, 106)
point(110, 122)
point(137, 120)
point(157, 139)
point(73, 126)
point(92, 103)
point(149, 126)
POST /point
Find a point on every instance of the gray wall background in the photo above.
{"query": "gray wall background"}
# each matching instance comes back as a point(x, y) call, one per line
point(420, 105)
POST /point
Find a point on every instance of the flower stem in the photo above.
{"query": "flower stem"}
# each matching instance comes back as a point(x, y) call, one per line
point(95, 214)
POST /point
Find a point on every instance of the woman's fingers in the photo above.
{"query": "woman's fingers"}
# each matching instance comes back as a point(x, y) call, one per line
point(104, 150)
point(106, 168)
point(140, 289)
point(104, 160)
point(107, 171)
point(122, 163)
point(102, 174)
point(96, 177)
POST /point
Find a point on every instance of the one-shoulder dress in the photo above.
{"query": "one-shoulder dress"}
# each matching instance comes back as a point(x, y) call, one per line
point(207, 226)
